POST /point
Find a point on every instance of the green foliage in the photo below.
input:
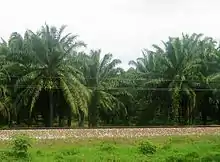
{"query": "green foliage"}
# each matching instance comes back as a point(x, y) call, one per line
point(108, 147)
point(101, 74)
point(167, 144)
point(202, 148)
point(192, 155)
point(112, 158)
point(179, 157)
point(20, 146)
point(70, 152)
point(174, 84)
point(66, 154)
point(211, 157)
point(146, 148)
point(5, 154)
point(175, 158)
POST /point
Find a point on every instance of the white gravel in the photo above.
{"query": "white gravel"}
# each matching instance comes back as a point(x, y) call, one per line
point(102, 133)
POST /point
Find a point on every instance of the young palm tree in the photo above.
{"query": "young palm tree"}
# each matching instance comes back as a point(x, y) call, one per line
point(148, 68)
point(100, 74)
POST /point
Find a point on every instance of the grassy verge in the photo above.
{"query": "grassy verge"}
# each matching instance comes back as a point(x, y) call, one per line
point(167, 149)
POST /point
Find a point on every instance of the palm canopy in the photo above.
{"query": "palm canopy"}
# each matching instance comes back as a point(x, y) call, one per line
point(43, 58)
point(213, 72)
point(101, 73)
point(5, 91)
point(100, 70)
point(175, 68)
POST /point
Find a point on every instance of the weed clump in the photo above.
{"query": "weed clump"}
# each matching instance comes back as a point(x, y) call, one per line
point(108, 147)
point(20, 146)
point(146, 147)
point(70, 152)
point(211, 157)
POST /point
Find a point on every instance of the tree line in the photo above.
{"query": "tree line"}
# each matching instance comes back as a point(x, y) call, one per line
point(45, 80)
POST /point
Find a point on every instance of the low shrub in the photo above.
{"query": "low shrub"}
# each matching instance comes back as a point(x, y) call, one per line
point(146, 147)
point(175, 158)
point(167, 144)
point(20, 146)
point(211, 157)
point(108, 147)
point(70, 152)
point(192, 155)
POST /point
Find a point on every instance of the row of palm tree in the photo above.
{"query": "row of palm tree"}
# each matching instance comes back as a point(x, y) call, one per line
point(181, 70)
point(45, 74)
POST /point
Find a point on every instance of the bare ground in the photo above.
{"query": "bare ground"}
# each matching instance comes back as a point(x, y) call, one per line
point(102, 133)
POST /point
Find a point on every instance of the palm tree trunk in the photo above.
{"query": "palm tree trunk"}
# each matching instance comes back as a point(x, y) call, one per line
point(69, 117)
point(9, 118)
point(93, 110)
point(191, 115)
point(60, 120)
point(81, 118)
point(188, 115)
point(204, 118)
point(18, 119)
point(51, 109)
point(179, 115)
point(69, 120)
point(175, 106)
point(93, 117)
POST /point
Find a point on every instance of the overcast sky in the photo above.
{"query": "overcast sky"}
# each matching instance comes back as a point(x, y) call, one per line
point(121, 27)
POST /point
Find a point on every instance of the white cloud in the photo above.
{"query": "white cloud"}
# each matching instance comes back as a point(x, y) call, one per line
point(122, 27)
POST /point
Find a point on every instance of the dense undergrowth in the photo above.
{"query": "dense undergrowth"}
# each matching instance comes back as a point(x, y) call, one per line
point(167, 149)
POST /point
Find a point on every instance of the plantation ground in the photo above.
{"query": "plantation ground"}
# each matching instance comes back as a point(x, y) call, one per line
point(146, 144)
point(169, 148)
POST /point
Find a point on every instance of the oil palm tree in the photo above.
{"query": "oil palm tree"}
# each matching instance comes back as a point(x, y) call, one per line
point(100, 74)
point(44, 59)
point(213, 78)
point(5, 90)
point(178, 68)
point(147, 69)
point(182, 73)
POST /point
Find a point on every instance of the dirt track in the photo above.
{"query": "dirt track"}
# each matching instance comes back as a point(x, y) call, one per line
point(101, 133)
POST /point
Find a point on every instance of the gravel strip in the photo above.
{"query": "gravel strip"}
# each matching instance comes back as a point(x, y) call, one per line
point(102, 133)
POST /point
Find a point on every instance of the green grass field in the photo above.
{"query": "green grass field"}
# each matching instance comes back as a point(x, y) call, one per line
point(178, 148)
